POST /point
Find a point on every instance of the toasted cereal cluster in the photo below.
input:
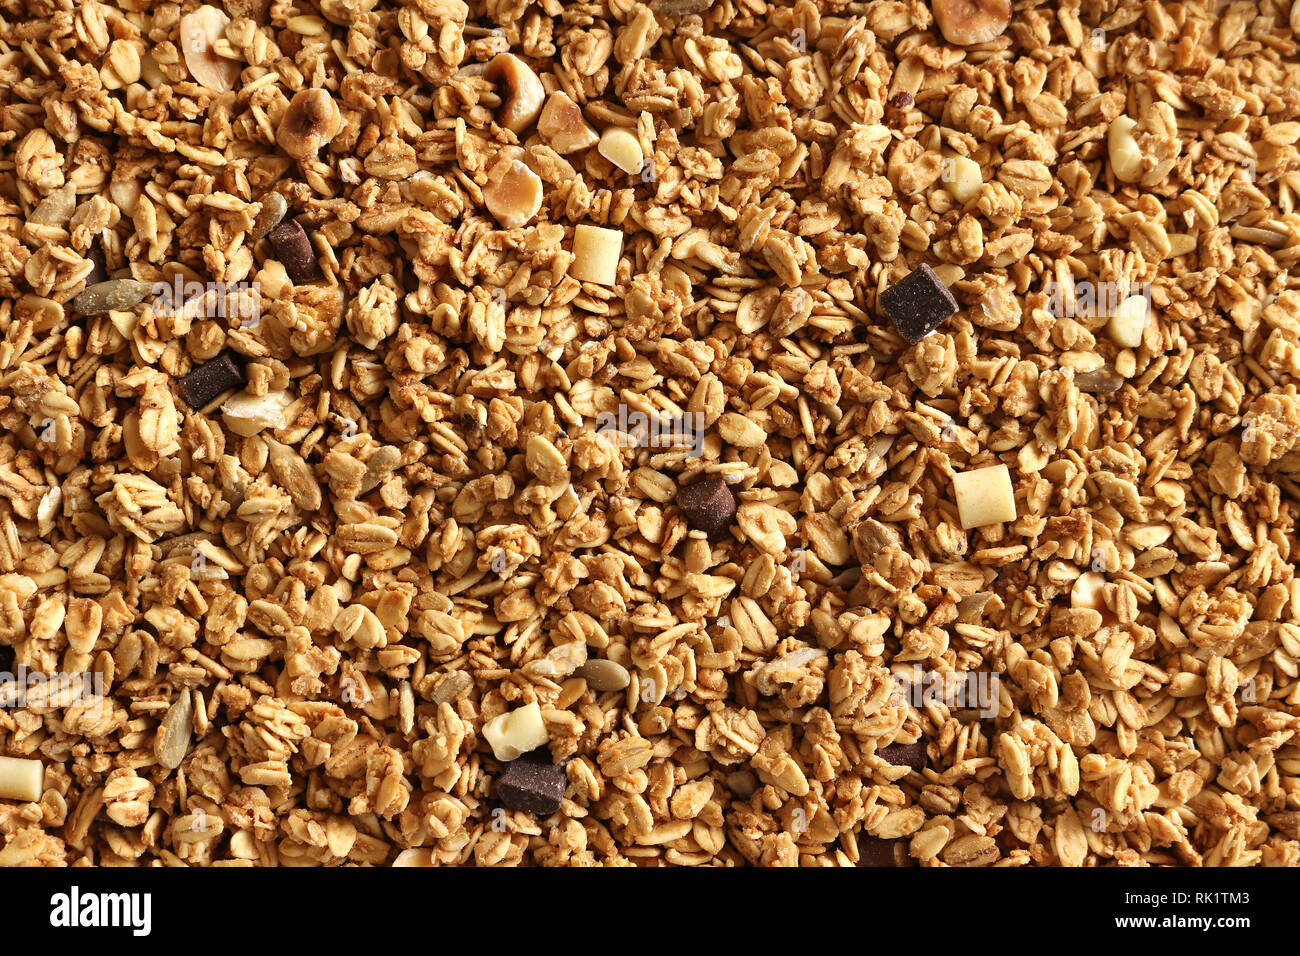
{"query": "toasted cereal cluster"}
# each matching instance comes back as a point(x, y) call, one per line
point(683, 432)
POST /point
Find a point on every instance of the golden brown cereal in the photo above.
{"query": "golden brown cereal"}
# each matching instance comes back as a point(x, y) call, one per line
point(440, 517)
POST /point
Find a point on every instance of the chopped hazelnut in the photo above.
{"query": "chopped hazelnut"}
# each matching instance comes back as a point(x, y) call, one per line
point(513, 193)
point(246, 415)
point(520, 89)
point(563, 126)
point(1086, 592)
point(962, 177)
point(311, 121)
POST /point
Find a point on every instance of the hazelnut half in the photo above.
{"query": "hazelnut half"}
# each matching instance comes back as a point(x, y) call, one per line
point(311, 121)
point(513, 193)
point(520, 89)
point(968, 22)
point(563, 126)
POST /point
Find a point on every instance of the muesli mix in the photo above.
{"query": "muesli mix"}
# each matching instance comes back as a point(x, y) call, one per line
point(683, 432)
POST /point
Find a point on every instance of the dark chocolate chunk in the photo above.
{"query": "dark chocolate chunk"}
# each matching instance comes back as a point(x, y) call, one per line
point(904, 755)
point(873, 851)
point(98, 262)
point(918, 304)
point(708, 506)
point(293, 249)
point(210, 379)
point(533, 783)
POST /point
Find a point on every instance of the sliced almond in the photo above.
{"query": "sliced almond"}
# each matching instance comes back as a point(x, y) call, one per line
point(200, 32)
point(173, 739)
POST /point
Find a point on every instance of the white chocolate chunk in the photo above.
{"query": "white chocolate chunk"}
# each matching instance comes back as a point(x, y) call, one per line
point(596, 253)
point(1129, 321)
point(1125, 157)
point(21, 779)
point(984, 496)
point(962, 177)
point(515, 733)
point(622, 148)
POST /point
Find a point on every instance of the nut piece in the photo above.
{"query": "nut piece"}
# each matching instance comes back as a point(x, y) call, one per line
point(513, 193)
point(622, 148)
point(563, 126)
point(984, 496)
point(596, 252)
point(173, 739)
point(604, 675)
point(1125, 157)
point(246, 415)
point(200, 32)
point(517, 732)
point(311, 121)
point(1129, 322)
point(111, 295)
point(1086, 592)
point(963, 178)
point(520, 89)
point(967, 22)
point(274, 206)
point(21, 779)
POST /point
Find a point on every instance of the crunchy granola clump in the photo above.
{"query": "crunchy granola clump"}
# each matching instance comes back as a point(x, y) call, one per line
point(482, 289)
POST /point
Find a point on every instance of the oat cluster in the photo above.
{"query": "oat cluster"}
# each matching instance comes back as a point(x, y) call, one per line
point(364, 583)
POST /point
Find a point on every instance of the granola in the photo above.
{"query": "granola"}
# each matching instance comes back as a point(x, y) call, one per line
point(401, 494)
